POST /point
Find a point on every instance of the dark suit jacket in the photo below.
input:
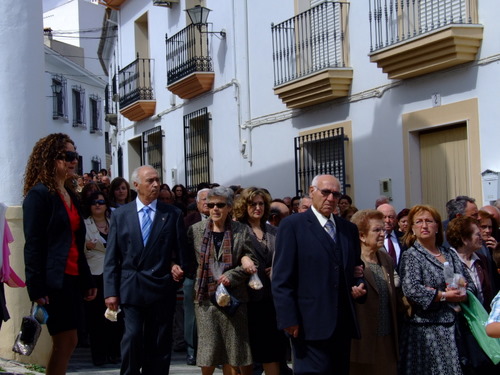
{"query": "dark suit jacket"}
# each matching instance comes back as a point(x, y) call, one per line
point(137, 274)
point(47, 232)
point(305, 282)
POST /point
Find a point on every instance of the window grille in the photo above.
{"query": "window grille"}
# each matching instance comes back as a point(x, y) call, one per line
point(153, 149)
point(95, 114)
point(59, 97)
point(196, 148)
point(319, 153)
point(78, 107)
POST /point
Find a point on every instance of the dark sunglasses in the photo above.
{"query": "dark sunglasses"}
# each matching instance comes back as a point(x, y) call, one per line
point(69, 156)
point(255, 204)
point(326, 193)
point(219, 205)
point(100, 202)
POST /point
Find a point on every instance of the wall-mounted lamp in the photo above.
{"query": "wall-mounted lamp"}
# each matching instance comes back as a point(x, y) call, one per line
point(56, 88)
point(198, 16)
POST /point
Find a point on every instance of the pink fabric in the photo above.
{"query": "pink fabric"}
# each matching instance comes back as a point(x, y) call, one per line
point(7, 274)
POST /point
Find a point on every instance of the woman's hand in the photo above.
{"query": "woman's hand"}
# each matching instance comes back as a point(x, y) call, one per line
point(42, 301)
point(268, 271)
point(90, 244)
point(248, 265)
point(112, 303)
point(90, 294)
point(455, 295)
point(224, 280)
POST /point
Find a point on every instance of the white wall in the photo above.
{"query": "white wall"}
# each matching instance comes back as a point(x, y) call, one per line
point(375, 106)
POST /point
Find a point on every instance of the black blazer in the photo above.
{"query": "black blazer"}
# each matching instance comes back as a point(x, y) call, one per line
point(305, 278)
point(47, 232)
point(137, 274)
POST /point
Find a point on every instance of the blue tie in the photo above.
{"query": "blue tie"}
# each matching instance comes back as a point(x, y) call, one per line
point(330, 228)
point(146, 224)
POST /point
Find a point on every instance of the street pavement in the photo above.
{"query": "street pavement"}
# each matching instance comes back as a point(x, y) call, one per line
point(81, 364)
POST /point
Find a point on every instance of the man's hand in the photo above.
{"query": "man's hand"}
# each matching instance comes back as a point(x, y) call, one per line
point(293, 331)
point(358, 291)
point(90, 294)
point(177, 272)
point(112, 303)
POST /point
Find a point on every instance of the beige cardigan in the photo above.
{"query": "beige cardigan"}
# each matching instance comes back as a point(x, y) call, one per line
point(95, 257)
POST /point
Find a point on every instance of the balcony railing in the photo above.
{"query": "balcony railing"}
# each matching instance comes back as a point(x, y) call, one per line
point(187, 53)
point(309, 42)
point(135, 82)
point(394, 21)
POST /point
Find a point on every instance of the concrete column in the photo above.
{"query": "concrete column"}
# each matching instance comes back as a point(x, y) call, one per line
point(23, 122)
point(22, 92)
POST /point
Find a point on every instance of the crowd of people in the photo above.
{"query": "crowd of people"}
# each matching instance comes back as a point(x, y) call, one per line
point(340, 290)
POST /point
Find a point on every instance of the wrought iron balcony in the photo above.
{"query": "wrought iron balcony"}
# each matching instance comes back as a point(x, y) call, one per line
point(409, 38)
point(189, 65)
point(310, 55)
point(135, 87)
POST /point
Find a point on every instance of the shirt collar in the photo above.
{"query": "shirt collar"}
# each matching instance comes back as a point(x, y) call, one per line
point(140, 205)
point(322, 219)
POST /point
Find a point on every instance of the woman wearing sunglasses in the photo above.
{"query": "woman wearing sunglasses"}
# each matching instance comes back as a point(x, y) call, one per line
point(57, 274)
point(105, 336)
point(268, 343)
point(220, 244)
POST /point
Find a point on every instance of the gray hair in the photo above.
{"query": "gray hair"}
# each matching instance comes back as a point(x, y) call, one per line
point(222, 191)
point(199, 192)
point(314, 182)
point(457, 206)
point(135, 174)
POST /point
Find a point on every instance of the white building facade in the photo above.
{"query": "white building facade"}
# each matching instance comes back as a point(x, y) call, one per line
point(395, 101)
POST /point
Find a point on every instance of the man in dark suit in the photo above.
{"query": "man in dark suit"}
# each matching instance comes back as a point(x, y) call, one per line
point(144, 260)
point(393, 239)
point(317, 274)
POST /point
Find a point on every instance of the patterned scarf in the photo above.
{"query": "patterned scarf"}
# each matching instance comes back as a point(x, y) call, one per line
point(207, 283)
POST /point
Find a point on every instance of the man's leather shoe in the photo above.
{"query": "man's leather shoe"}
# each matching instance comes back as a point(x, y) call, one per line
point(191, 360)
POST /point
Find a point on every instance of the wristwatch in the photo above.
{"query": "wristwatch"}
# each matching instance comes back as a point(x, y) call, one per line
point(443, 297)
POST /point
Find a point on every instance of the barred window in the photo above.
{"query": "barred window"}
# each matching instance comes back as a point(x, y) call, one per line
point(59, 97)
point(78, 107)
point(196, 148)
point(319, 153)
point(95, 114)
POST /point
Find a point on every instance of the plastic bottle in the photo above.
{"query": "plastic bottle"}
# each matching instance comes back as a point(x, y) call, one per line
point(449, 275)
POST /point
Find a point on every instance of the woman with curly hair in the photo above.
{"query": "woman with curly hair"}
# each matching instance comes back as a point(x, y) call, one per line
point(267, 342)
point(57, 274)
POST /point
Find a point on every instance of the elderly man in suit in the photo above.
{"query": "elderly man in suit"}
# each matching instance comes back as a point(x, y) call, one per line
point(393, 242)
point(317, 274)
point(145, 257)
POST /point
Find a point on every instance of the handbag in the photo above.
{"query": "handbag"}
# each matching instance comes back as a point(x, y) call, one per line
point(232, 304)
point(28, 334)
point(476, 317)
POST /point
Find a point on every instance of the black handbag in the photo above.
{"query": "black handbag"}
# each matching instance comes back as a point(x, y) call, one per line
point(28, 335)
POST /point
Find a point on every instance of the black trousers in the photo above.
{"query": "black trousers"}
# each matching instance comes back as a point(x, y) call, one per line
point(147, 342)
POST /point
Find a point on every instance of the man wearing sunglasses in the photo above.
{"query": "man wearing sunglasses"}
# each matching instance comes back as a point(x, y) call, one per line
point(317, 274)
point(145, 257)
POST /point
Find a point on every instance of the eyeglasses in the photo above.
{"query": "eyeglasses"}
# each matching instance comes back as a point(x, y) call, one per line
point(69, 156)
point(326, 193)
point(219, 205)
point(420, 223)
point(100, 202)
point(255, 204)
